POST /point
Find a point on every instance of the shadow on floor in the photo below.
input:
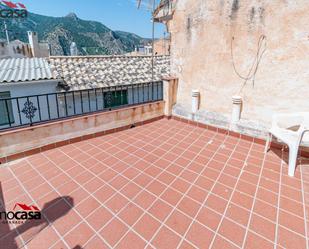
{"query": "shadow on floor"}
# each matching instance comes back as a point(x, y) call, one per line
point(50, 212)
point(284, 155)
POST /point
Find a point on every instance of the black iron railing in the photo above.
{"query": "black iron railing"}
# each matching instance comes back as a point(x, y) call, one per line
point(34, 109)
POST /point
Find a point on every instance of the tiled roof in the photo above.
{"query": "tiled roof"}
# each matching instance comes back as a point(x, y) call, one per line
point(24, 69)
point(100, 71)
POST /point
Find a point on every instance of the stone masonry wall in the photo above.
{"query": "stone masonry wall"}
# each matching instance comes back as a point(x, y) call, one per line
point(201, 39)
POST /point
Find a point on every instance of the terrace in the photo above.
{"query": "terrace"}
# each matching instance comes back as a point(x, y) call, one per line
point(163, 184)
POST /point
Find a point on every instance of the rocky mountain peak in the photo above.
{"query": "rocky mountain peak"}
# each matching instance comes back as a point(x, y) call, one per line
point(72, 15)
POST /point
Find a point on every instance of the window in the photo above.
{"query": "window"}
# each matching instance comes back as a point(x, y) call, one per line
point(5, 107)
point(115, 98)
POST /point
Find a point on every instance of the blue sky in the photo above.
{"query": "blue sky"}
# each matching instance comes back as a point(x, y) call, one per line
point(115, 14)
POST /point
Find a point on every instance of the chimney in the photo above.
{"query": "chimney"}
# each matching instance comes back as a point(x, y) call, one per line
point(34, 43)
point(73, 49)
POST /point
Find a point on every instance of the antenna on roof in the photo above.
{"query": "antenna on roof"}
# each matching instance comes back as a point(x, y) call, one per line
point(148, 4)
point(151, 7)
point(6, 32)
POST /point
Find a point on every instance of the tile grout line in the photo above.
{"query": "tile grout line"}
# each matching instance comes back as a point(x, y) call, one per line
point(118, 192)
point(278, 203)
point(82, 219)
point(159, 197)
point(39, 186)
point(222, 184)
point(183, 195)
point(96, 199)
point(304, 207)
point(254, 200)
point(197, 202)
point(193, 184)
point(233, 191)
point(145, 189)
point(206, 198)
point(154, 178)
point(25, 243)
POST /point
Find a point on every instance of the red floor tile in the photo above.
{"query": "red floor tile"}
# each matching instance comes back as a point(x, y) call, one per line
point(87, 206)
point(265, 210)
point(114, 231)
point(144, 199)
point(166, 239)
point(104, 193)
point(197, 194)
point(95, 242)
point(116, 203)
point(186, 245)
point(216, 203)
point(188, 179)
point(178, 222)
point(67, 222)
point(238, 214)
point(79, 235)
point(189, 207)
point(209, 218)
point(232, 232)
point(99, 218)
point(263, 227)
point(255, 241)
point(194, 235)
point(292, 222)
point(288, 239)
point(131, 240)
point(147, 226)
point(130, 214)
point(160, 210)
point(156, 187)
point(220, 243)
point(242, 199)
point(171, 196)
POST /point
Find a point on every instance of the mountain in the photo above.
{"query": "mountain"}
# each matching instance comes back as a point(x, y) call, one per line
point(91, 37)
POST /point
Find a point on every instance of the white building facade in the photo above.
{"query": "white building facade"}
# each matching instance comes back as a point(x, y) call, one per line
point(32, 91)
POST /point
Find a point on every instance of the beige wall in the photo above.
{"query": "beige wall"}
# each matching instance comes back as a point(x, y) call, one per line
point(162, 46)
point(201, 33)
point(22, 140)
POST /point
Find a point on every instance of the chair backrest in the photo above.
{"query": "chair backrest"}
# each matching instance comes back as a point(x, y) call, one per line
point(306, 119)
point(289, 121)
point(305, 126)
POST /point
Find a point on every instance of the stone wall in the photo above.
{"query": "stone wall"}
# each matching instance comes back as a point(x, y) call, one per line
point(202, 35)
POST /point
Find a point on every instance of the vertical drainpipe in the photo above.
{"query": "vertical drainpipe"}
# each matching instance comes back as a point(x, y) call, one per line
point(237, 106)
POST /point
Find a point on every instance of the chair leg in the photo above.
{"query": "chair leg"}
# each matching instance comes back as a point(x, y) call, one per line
point(293, 152)
point(269, 138)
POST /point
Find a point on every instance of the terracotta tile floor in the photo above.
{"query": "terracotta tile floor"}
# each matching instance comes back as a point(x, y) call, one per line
point(162, 185)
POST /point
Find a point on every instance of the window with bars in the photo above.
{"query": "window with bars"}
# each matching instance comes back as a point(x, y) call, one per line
point(115, 98)
point(6, 110)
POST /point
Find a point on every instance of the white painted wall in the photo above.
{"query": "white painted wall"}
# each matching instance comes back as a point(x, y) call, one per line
point(28, 89)
point(50, 108)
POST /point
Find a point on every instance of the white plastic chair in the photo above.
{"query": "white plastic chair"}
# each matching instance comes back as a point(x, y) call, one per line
point(290, 129)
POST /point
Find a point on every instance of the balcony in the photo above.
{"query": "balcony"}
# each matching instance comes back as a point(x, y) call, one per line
point(37, 109)
point(164, 184)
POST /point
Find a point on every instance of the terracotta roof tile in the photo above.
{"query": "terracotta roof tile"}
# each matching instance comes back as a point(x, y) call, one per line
point(92, 72)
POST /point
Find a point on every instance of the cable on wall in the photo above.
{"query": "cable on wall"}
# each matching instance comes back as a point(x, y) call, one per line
point(261, 48)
